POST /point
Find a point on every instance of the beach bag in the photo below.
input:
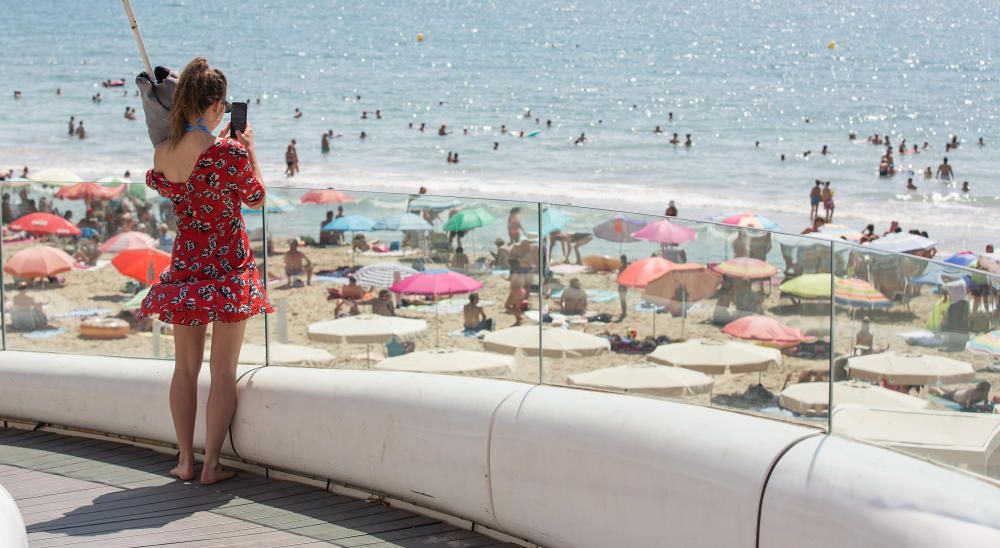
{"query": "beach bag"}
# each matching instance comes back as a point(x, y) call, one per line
point(937, 315)
point(157, 94)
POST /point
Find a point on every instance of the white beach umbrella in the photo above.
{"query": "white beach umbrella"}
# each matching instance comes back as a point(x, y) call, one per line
point(365, 329)
point(286, 354)
point(717, 357)
point(555, 343)
point(383, 275)
point(909, 368)
point(450, 361)
point(813, 398)
point(645, 378)
point(55, 175)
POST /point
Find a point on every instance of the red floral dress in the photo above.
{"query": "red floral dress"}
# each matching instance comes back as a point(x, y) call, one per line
point(212, 276)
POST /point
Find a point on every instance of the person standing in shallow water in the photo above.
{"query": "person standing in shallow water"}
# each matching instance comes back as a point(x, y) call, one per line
point(207, 179)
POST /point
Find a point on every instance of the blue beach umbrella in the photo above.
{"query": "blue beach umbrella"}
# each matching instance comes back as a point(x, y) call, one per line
point(553, 220)
point(275, 204)
point(403, 221)
point(965, 258)
point(350, 223)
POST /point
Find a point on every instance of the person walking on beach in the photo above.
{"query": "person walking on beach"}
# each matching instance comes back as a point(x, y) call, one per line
point(815, 197)
point(207, 178)
point(828, 201)
point(945, 172)
point(514, 225)
point(622, 289)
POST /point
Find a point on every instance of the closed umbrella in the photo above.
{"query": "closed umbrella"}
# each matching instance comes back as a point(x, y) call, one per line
point(142, 264)
point(365, 329)
point(618, 229)
point(749, 220)
point(909, 369)
point(44, 223)
point(436, 284)
point(38, 262)
point(986, 343)
point(286, 354)
point(127, 240)
point(383, 275)
point(665, 232)
point(655, 380)
point(555, 343)
point(450, 361)
point(746, 268)
point(643, 271)
point(90, 191)
point(813, 398)
point(717, 357)
point(325, 196)
point(764, 329)
point(403, 221)
point(55, 175)
point(467, 219)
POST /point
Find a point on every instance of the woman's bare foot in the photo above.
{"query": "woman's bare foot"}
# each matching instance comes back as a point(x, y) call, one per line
point(183, 470)
point(215, 474)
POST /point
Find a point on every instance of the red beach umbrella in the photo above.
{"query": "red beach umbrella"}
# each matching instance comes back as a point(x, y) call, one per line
point(643, 271)
point(90, 191)
point(44, 223)
point(127, 240)
point(144, 264)
point(325, 196)
point(38, 262)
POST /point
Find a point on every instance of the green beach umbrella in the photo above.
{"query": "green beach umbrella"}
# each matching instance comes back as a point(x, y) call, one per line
point(467, 219)
point(808, 286)
point(136, 301)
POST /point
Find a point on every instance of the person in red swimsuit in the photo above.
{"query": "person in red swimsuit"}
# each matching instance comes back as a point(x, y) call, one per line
point(212, 278)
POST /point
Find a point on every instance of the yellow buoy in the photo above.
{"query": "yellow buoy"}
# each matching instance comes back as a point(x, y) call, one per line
point(420, 37)
point(831, 45)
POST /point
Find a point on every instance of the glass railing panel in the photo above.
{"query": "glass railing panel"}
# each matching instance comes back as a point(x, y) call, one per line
point(445, 249)
point(927, 362)
point(674, 292)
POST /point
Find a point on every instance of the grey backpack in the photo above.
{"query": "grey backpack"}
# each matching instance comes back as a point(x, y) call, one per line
point(157, 96)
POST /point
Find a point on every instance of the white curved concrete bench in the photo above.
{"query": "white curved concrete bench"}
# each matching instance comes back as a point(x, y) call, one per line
point(12, 533)
point(554, 466)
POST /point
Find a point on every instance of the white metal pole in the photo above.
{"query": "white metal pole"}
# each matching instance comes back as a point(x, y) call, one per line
point(138, 38)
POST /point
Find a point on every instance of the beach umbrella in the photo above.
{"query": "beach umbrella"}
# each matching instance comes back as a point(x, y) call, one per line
point(38, 262)
point(644, 378)
point(909, 369)
point(467, 219)
point(555, 343)
point(55, 175)
point(17, 183)
point(643, 271)
point(112, 181)
point(808, 286)
point(366, 329)
point(450, 361)
point(838, 232)
point(986, 343)
point(990, 262)
point(286, 354)
point(325, 196)
point(618, 229)
point(135, 302)
point(142, 264)
point(433, 203)
point(963, 258)
point(684, 283)
point(44, 223)
point(749, 220)
point(813, 398)
point(901, 242)
point(765, 329)
point(746, 268)
point(403, 221)
point(127, 240)
point(716, 357)
point(274, 204)
point(553, 220)
point(436, 284)
point(350, 223)
point(665, 232)
point(383, 275)
point(936, 277)
point(90, 191)
point(858, 293)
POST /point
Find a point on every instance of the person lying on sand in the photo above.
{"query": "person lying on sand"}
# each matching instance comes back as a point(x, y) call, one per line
point(296, 263)
point(966, 396)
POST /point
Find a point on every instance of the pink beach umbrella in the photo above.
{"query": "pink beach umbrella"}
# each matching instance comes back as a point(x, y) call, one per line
point(127, 240)
point(434, 284)
point(665, 232)
point(750, 220)
point(325, 196)
point(764, 329)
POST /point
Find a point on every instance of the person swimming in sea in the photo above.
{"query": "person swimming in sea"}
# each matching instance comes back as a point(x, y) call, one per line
point(443, 130)
point(965, 187)
point(364, 136)
point(909, 184)
point(945, 171)
point(582, 139)
point(297, 115)
point(687, 140)
point(496, 145)
point(675, 139)
point(324, 144)
point(657, 130)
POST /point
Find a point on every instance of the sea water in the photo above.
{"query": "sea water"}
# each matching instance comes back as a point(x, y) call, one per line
point(792, 75)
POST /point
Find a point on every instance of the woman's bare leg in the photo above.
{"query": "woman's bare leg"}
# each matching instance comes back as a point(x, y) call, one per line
point(189, 349)
point(227, 338)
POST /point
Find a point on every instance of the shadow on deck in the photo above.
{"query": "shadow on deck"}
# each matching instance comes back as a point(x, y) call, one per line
point(81, 491)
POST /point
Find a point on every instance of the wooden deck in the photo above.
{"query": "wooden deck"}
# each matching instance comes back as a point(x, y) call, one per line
point(88, 492)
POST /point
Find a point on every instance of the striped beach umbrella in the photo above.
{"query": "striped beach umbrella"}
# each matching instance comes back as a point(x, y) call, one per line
point(383, 275)
point(858, 294)
point(986, 343)
point(618, 229)
point(746, 268)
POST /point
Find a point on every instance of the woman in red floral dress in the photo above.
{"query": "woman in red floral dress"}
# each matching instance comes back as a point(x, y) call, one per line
point(212, 278)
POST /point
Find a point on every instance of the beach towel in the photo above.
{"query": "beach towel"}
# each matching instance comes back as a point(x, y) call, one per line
point(46, 333)
point(921, 338)
point(571, 269)
point(84, 313)
point(593, 295)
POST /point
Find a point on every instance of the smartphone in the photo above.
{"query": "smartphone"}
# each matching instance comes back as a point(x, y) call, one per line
point(237, 119)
